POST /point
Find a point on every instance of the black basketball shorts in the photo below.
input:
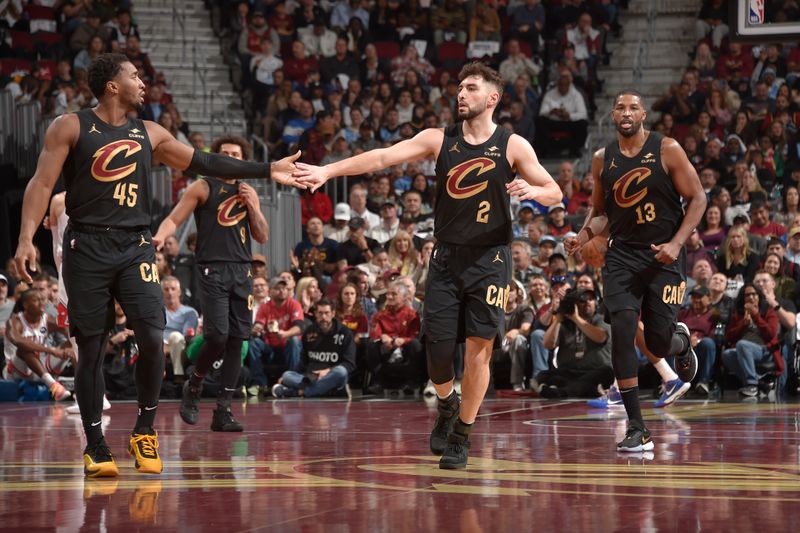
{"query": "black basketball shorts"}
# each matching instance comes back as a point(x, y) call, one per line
point(466, 292)
point(226, 297)
point(102, 265)
point(634, 280)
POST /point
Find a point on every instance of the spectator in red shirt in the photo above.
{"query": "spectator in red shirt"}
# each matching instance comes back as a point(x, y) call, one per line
point(276, 334)
point(760, 223)
point(557, 225)
point(395, 355)
point(701, 320)
point(581, 200)
point(299, 65)
point(316, 204)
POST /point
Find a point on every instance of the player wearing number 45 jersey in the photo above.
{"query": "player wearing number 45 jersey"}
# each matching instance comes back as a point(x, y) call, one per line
point(476, 162)
point(108, 252)
point(226, 213)
point(643, 176)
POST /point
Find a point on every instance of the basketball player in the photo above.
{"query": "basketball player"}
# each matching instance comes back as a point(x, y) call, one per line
point(56, 221)
point(226, 212)
point(105, 156)
point(27, 356)
point(470, 267)
point(643, 176)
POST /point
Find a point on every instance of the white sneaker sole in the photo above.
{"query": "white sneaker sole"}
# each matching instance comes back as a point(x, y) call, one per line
point(641, 448)
point(75, 410)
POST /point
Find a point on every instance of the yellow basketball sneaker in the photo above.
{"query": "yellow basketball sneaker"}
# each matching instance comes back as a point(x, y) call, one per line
point(144, 449)
point(98, 461)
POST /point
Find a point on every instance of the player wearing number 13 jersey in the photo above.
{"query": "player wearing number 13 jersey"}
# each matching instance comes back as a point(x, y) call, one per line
point(643, 176)
point(476, 161)
point(108, 251)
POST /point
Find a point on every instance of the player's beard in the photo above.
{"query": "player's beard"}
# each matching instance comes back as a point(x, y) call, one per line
point(635, 127)
point(472, 112)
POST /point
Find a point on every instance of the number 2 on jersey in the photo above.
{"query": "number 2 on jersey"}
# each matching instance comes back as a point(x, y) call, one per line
point(126, 193)
point(648, 214)
point(483, 212)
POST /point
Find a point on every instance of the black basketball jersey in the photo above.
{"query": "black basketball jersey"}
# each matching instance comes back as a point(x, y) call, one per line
point(107, 173)
point(472, 205)
point(642, 204)
point(223, 229)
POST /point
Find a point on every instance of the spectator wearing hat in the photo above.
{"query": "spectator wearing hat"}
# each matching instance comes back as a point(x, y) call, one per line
point(259, 264)
point(583, 340)
point(701, 319)
point(524, 218)
point(276, 333)
point(557, 225)
point(547, 245)
point(338, 230)
point(315, 254)
point(358, 247)
point(793, 245)
point(514, 347)
point(250, 40)
point(389, 225)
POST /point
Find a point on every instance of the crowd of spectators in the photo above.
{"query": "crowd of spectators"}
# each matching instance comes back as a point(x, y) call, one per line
point(332, 80)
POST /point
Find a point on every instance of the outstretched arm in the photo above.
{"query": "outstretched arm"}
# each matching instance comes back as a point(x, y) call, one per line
point(60, 136)
point(196, 194)
point(535, 183)
point(168, 150)
point(423, 144)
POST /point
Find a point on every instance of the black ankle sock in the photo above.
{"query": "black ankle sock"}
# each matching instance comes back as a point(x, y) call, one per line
point(630, 397)
point(462, 428)
point(94, 433)
point(146, 419)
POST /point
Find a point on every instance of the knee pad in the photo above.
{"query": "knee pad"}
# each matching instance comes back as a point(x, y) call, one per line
point(623, 337)
point(440, 361)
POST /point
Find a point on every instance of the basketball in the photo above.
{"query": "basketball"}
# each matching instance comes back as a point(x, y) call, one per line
point(594, 251)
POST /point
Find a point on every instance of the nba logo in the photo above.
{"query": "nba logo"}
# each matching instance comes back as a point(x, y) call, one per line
point(756, 12)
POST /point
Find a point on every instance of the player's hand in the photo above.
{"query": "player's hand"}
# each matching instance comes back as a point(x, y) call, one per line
point(158, 241)
point(24, 259)
point(311, 176)
point(573, 244)
point(666, 253)
point(249, 197)
point(521, 189)
point(283, 171)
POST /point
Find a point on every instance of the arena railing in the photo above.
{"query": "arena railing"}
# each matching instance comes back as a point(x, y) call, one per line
point(6, 123)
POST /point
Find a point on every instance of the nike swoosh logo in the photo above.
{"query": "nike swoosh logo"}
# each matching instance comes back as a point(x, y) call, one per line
point(151, 408)
point(230, 390)
point(94, 424)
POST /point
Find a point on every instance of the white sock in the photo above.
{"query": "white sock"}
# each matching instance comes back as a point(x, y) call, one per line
point(446, 396)
point(665, 371)
point(48, 379)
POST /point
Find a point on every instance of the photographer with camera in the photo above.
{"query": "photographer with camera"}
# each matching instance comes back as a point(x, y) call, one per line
point(583, 340)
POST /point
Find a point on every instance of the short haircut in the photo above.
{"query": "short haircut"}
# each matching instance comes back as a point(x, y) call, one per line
point(103, 69)
point(632, 92)
point(244, 144)
point(489, 75)
point(325, 302)
point(166, 279)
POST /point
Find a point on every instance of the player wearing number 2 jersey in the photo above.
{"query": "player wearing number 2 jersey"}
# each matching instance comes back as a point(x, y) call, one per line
point(476, 161)
point(108, 251)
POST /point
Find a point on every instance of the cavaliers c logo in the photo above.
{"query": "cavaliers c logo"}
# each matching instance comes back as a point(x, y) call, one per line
point(103, 157)
point(461, 171)
point(620, 188)
point(225, 217)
